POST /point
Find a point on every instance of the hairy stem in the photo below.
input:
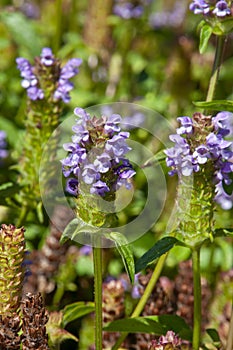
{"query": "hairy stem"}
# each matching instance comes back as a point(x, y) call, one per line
point(142, 302)
point(97, 256)
point(197, 298)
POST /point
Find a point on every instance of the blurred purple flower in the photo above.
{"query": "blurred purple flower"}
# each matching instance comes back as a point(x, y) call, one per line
point(85, 250)
point(172, 18)
point(3, 145)
point(127, 9)
point(97, 158)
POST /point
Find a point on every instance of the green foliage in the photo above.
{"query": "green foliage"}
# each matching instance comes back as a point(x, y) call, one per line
point(73, 311)
point(125, 251)
point(161, 247)
point(151, 324)
point(216, 105)
point(205, 34)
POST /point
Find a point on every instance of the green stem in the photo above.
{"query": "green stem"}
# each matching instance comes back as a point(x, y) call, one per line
point(216, 68)
point(23, 215)
point(229, 345)
point(58, 30)
point(197, 299)
point(97, 256)
point(142, 302)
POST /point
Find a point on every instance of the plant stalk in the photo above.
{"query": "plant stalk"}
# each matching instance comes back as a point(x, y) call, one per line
point(58, 32)
point(97, 256)
point(23, 216)
point(229, 345)
point(142, 302)
point(197, 298)
point(216, 67)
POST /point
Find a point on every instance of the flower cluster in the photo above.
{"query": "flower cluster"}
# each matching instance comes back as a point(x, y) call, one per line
point(47, 64)
point(169, 341)
point(3, 151)
point(127, 9)
point(199, 142)
point(221, 8)
point(96, 155)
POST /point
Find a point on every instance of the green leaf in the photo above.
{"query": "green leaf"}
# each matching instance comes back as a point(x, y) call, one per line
point(57, 334)
point(160, 248)
point(125, 251)
point(205, 35)
point(223, 232)
point(23, 31)
point(151, 324)
point(76, 310)
point(213, 334)
point(158, 157)
point(224, 27)
point(7, 189)
point(218, 105)
point(77, 227)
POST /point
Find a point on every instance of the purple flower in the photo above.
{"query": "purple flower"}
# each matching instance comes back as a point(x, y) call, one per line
point(199, 6)
point(112, 124)
point(222, 198)
point(97, 158)
point(47, 57)
point(102, 163)
point(221, 9)
point(200, 147)
point(117, 145)
point(64, 85)
point(30, 81)
point(72, 186)
point(223, 123)
point(45, 65)
point(99, 188)
point(90, 174)
point(186, 125)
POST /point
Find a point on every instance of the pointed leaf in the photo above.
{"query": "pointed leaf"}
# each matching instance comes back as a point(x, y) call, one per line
point(76, 310)
point(217, 105)
point(7, 189)
point(213, 334)
point(205, 35)
point(158, 157)
point(77, 227)
point(125, 252)
point(151, 324)
point(160, 248)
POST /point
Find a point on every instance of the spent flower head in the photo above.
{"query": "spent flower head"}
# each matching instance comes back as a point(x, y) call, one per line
point(169, 341)
point(200, 144)
point(47, 76)
point(96, 156)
